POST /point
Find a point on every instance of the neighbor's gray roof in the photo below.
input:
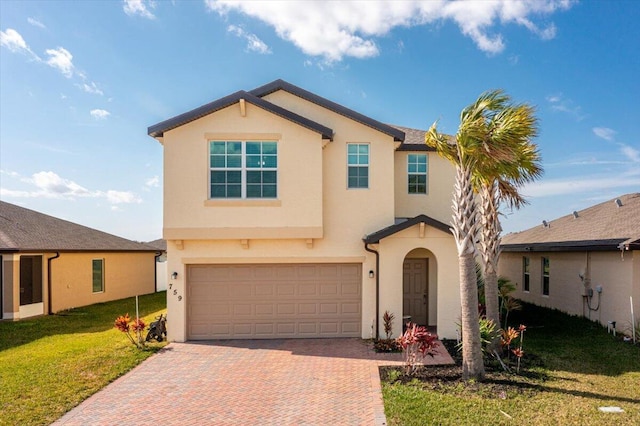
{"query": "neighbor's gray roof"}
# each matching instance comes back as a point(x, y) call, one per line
point(24, 230)
point(159, 244)
point(604, 226)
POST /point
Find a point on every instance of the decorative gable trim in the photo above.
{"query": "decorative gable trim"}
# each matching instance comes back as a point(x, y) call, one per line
point(157, 130)
point(274, 86)
point(393, 229)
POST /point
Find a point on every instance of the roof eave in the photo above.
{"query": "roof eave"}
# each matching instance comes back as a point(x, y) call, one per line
point(280, 84)
point(375, 237)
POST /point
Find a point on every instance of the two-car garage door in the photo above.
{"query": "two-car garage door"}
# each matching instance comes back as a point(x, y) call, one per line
point(273, 301)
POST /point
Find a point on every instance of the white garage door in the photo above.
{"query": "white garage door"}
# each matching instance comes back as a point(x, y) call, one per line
point(273, 301)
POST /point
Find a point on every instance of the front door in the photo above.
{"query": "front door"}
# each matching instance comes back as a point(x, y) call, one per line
point(414, 290)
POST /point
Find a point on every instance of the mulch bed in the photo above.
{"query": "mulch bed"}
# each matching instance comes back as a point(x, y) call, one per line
point(448, 378)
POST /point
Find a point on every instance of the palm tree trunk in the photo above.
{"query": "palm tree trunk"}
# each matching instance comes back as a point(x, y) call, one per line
point(464, 231)
point(472, 362)
point(489, 250)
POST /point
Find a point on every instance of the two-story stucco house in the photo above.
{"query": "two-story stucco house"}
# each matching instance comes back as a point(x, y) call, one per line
point(288, 215)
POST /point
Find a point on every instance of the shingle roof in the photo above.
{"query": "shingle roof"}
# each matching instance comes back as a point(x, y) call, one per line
point(375, 237)
point(605, 226)
point(413, 139)
point(157, 130)
point(23, 230)
point(279, 84)
point(159, 244)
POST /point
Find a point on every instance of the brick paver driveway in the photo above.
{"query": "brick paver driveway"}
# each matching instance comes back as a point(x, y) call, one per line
point(255, 382)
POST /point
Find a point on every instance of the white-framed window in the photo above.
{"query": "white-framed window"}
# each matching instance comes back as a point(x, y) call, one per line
point(545, 276)
point(525, 273)
point(97, 267)
point(243, 169)
point(357, 165)
point(417, 173)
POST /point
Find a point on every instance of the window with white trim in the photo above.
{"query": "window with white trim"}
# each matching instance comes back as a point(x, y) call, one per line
point(525, 273)
point(243, 169)
point(97, 267)
point(545, 276)
point(417, 173)
point(358, 165)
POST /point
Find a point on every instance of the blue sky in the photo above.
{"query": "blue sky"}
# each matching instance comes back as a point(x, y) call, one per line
point(80, 82)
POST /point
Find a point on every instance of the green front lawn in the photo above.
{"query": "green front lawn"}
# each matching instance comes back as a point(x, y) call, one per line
point(50, 364)
point(578, 368)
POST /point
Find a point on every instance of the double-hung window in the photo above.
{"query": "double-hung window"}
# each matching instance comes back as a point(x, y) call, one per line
point(525, 273)
point(358, 165)
point(417, 173)
point(243, 169)
point(545, 276)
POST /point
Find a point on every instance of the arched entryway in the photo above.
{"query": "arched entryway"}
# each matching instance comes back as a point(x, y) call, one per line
point(419, 287)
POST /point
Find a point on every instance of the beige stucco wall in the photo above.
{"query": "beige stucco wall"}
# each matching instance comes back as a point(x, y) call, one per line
point(440, 179)
point(316, 218)
point(125, 275)
point(609, 269)
point(443, 262)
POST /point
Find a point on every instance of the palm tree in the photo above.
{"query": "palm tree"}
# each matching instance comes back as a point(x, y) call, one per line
point(483, 146)
point(512, 126)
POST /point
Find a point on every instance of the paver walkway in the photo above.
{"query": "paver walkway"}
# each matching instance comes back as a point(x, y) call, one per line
point(255, 382)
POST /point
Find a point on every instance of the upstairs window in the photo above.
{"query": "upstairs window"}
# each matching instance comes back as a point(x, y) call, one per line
point(240, 169)
point(525, 273)
point(545, 276)
point(417, 173)
point(358, 165)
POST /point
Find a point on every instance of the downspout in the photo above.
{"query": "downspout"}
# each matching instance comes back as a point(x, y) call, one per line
point(49, 259)
point(366, 247)
point(155, 271)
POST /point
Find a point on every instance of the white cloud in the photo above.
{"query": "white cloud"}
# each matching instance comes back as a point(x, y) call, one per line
point(604, 133)
point(12, 40)
point(36, 23)
point(91, 88)
point(153, 182)
point(582, 184)
point(254, 43)
point(99, 114)
point(121, 197)
point(559, 103)
point(630, 152)
point(48, 184)
point(139, 7)
point(334, 30)
point(61, 59)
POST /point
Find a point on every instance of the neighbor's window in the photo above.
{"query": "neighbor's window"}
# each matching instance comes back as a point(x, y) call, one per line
point(240, 169)
point(358, 165)
point(525, 273)
point(417, 173)
point(98, 275)
point(545, 276)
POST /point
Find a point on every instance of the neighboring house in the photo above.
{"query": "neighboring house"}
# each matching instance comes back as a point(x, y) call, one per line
point(288, 215)
point(161, 263)
point(49, 265)
point(586, 263)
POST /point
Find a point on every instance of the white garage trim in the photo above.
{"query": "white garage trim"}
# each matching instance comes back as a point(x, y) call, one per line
point(259, 301)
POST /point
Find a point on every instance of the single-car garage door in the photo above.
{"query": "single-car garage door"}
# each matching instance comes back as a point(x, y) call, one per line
point(273, 301)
